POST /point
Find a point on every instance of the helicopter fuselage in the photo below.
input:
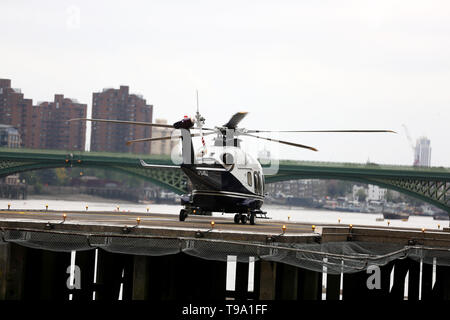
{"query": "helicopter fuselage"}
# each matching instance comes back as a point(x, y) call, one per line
point(225, 179)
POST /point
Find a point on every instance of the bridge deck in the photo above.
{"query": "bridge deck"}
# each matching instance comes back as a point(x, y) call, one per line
point(428, 184)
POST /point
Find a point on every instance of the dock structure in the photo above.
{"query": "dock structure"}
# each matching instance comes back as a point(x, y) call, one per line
point(90, 255)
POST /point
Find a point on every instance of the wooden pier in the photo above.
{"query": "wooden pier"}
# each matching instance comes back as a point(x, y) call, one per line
point(50, 255)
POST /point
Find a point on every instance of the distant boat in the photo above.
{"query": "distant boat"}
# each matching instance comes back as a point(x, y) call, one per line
point(441, 216)
point(389, 213)
point(399, 215)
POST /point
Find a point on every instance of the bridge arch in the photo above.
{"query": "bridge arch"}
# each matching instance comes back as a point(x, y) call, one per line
point(171, 179)
point(432, 192)
point(431, 185)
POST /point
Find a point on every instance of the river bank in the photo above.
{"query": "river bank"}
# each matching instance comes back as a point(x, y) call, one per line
point(74, 197)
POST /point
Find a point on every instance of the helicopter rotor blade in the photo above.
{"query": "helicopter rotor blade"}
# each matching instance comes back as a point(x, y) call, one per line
point(164, 138)
point(148, 140)
point(322, 131)
point(283, 142)
point(150, 124)
point(160, 125)
point(235, 119)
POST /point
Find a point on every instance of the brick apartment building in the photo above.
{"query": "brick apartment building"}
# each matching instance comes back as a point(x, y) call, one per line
point(16, 111)
point(119, 104)
point(46, 125)
point(51, 128)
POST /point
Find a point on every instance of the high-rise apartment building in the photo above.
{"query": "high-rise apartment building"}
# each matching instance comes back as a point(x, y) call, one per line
point(46, 125)
point(51, 128)
point(9, 138)
point(16, 111)
point(119, 104)
point(422, 152)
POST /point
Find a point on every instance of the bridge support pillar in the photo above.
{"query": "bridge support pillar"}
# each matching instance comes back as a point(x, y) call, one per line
point(333, 286)
point(140, 278)
point(199, 279)
point(370, 284)
point(414, 279)
point(114, 270)
point(398, 287)
point(4, 268)
point(354, 286)
point(267, 279)
point(12, 267)
point(310, 285)
point(241, 292)
point(85, 260)
point(53, 270)
point(441, 289)
point(178, 277)
point(291, 282)
point(45, 275)
point(427, 277)
point(287, 282)
point(33, 273)
point(161, 271)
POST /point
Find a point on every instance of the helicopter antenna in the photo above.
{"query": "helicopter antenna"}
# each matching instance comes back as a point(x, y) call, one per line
point(198, 118)
point(200, 121)
point(197, 101)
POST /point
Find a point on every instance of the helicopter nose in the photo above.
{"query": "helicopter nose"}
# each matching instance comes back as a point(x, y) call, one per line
point(185, 123)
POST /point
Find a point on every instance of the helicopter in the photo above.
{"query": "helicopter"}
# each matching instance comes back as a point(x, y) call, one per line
point(224, 177)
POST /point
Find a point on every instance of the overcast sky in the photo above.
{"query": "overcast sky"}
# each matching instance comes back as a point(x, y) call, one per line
point(291, 64)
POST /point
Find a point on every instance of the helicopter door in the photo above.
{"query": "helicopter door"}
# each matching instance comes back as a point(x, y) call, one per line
point(257, 182)
point(263, 185)
point(249, 178)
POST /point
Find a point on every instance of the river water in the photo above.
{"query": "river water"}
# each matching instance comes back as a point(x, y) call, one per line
point(276, 213)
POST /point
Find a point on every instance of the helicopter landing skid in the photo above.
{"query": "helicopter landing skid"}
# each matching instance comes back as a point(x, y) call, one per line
point(193, 211)
point(250, 216)
point(262, 215)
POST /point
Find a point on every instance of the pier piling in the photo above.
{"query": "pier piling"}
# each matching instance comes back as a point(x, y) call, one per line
point(35, 264)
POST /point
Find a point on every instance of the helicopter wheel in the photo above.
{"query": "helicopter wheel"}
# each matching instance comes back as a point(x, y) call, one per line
point(252, 218)
point(237, 218)
point(183, 214)
point(243, 219)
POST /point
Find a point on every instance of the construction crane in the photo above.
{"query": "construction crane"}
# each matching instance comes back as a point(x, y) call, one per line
point(408, 136)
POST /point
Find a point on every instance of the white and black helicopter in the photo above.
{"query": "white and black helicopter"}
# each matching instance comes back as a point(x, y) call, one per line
point(224, 177)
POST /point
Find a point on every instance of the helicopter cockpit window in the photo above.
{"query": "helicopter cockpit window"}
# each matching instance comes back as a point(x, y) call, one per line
point(249, 178)
point(257, 183)
point(227, 159)
point(263, 185)
point(260, 184)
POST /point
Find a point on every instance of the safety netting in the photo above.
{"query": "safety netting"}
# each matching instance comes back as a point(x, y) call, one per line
point(334, 257)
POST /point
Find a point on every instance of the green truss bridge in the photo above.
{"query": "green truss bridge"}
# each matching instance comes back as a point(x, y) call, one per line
point(428, 184)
